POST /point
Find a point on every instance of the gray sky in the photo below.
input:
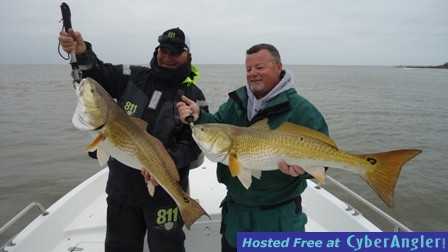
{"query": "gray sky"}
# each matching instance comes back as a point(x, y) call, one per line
point(322, 32)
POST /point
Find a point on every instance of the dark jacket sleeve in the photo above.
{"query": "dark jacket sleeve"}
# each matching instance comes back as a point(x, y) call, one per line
point(110, 76)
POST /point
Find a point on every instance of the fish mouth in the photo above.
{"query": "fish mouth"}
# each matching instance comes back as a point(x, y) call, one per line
point(218, 157)
point(204, 147)
point(201, 146)
point(208, 151)
point(213, 156)
point(79, 121)
point(80, 88)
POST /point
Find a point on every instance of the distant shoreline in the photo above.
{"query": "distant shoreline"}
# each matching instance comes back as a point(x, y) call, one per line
point(444, 66)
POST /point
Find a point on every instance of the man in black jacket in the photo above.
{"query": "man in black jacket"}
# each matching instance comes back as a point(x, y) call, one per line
point(150, 95)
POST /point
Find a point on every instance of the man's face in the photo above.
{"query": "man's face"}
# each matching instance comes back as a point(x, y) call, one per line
point(262, 73)
point(166, 58)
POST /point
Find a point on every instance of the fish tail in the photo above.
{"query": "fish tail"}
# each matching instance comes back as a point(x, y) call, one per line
point(191, 211)
point(383, 172)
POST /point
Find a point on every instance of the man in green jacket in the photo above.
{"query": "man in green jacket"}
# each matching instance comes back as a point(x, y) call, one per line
point(273, 203)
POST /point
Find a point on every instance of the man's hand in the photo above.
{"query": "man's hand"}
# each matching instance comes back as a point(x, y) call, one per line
point(72, 41)
point(292, 170)
point(149, 180)
point(188, 108)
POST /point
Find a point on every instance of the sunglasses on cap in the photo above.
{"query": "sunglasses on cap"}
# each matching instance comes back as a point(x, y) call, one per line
point(164, 39)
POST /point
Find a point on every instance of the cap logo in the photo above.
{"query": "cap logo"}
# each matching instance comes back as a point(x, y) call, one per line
point(171, 34)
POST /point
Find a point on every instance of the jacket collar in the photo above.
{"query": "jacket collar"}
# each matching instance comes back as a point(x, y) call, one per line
point(278, 105)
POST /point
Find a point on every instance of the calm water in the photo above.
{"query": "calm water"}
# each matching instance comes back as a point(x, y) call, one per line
point(368, 109)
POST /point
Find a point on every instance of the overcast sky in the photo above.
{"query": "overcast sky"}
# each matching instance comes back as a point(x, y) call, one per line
point(322, 32)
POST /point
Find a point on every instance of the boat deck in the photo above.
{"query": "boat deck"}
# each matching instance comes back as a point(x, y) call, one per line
point(78, 220)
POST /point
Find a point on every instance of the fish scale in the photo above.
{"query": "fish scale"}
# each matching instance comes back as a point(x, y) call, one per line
point(249, 150)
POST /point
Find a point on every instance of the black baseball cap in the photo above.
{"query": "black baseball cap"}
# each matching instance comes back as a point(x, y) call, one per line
point(175, 40)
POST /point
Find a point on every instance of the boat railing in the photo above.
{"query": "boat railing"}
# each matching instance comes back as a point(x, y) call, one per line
point(398, 226)
point(43, 211)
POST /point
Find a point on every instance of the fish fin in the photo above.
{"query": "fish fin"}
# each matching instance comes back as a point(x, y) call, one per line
point(95, 143)
point(295, 129)
point(245, 177)
point(261, 125)
point(102, 156)
point(318, 172)
point(151, 188)
point(234, 165)
point(190, 210)
point(383, 170)
point(139, 122)
point(256, 174)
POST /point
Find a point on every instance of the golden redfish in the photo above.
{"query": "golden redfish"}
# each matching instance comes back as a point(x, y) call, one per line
point(250, 150)
point(117, 135)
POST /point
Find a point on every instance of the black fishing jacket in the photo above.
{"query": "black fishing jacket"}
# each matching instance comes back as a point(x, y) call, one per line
point(150, 94)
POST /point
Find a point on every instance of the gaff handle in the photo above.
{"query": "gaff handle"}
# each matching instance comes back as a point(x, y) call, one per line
point(66, 19)
point(66, 16)
point(190, 118)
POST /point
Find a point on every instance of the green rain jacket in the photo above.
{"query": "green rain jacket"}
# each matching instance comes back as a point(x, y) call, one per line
point(274, 186)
